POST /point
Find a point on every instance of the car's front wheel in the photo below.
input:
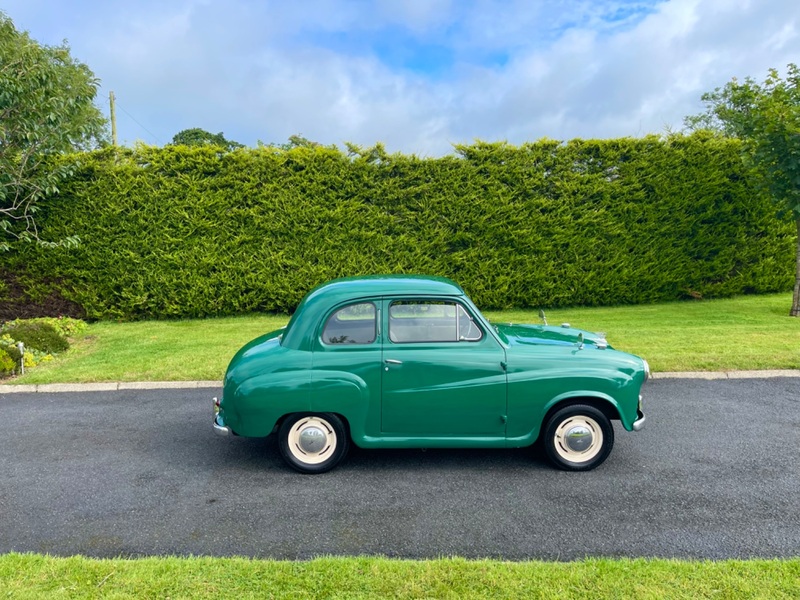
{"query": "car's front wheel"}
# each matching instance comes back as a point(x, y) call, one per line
point(312, 443)
point(578, 438)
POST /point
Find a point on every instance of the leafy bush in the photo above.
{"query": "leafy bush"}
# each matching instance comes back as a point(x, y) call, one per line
point(7, 363)
point(64, 326)
point(190, 231)
point(37, 336)
point(9, 346)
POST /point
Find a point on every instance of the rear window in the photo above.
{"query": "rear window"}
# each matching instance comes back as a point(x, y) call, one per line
point(353, 324)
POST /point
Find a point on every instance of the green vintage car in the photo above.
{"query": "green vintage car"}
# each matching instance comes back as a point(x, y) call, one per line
point(410, 362)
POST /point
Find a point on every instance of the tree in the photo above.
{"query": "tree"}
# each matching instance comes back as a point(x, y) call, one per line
point(295, 141)
point(46, 109)
point(766, 117)
point(200, 137)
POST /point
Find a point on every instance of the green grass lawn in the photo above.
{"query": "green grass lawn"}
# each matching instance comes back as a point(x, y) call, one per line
point(35, 576)
point(749, 332)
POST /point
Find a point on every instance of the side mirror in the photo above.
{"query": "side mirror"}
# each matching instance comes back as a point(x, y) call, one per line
point(542, 317)
point(580, 341)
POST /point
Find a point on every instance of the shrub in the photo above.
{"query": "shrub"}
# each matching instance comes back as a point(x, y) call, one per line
point(9, 346)
point(65, 326)
point(7, 364)
point(37, 336)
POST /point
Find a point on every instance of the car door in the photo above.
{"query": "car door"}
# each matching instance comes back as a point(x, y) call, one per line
point(443, 375)
point(346, 363)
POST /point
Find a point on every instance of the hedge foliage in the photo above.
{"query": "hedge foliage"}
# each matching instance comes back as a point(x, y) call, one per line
point(192, 231)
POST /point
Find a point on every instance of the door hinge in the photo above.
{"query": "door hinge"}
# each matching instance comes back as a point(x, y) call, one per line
point(504, 364)
point(503, 419)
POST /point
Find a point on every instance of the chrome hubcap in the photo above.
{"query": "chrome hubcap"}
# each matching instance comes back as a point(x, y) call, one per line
point(578, 438)
point(312, 440)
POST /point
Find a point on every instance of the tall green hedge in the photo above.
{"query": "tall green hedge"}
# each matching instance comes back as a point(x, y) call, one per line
point(191, 231)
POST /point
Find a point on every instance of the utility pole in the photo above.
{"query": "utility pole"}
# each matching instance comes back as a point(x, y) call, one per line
point(113, 118)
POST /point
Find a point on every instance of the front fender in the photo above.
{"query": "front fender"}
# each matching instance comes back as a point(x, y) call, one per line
point(530, 399)
point(572, 397)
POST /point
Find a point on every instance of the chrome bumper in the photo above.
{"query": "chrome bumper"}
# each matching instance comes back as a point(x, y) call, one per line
point(639, 423)
point(219, 425)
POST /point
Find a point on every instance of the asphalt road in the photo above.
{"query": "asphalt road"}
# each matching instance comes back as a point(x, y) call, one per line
point(715, 474)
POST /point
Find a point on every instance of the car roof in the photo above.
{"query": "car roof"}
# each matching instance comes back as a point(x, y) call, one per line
point(320, 299)
point(387, 285)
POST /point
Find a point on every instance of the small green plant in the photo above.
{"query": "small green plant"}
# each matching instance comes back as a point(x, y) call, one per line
point(65, 326)
point(30, 358)
point(40, 336)
point(7, 363)
point(9, 352)
point(9, 346)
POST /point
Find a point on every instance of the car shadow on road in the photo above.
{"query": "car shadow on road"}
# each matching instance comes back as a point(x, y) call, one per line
point(473, 459)
point(262, 454)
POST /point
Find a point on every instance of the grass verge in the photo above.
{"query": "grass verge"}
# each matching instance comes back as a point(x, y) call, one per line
point(37, 576)
point(748, 332)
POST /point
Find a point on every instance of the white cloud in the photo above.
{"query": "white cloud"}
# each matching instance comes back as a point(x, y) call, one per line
point(520, 70)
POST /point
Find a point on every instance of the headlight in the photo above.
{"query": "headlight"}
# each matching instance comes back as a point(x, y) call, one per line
point(646, 370)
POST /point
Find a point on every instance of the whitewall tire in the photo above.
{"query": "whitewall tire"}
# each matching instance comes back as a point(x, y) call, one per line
point(578, 438)
point(311, 442)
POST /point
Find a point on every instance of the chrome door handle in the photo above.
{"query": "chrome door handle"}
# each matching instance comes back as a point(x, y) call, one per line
point(392, 361)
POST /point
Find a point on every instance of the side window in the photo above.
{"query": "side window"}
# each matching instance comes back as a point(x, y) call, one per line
point(431, 321)
point(354, 324)
point(468, 331)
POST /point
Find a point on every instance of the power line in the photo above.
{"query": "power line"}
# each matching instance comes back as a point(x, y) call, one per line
point(153, 135)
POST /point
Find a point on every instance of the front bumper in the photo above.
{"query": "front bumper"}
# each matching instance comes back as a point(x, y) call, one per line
point(219, 424)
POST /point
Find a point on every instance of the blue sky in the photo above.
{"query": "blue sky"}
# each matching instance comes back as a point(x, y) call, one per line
point(417, 75)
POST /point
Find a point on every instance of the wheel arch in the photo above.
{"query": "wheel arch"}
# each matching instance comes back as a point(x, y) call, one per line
point(605, 404)
point(341, 417)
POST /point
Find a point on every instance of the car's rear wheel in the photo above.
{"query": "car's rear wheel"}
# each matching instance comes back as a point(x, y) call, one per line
point(312, 443)
point(578, 438)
